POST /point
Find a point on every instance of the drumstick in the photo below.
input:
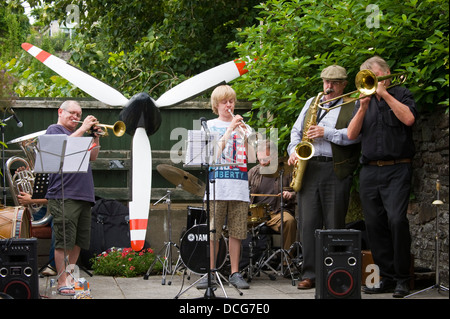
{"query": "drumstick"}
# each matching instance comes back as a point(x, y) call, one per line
point(273, 195)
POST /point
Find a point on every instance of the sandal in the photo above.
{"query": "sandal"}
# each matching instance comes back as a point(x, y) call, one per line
point(66, 291)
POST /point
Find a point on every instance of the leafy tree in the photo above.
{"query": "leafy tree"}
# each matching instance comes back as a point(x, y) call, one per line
point(14, 28)
point(296, 39)
point(148, 45)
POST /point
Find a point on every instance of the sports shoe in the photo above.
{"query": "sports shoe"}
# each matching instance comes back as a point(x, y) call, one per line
point(239, 282)
point(203, 283)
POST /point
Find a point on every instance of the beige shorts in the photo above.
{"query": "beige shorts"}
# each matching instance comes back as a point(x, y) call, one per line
point(233, 214)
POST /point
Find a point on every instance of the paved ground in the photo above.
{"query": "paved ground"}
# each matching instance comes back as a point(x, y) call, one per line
point(261, 287)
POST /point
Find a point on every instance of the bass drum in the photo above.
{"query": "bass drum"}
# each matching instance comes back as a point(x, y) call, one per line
point(193, 249)
point(15, 222)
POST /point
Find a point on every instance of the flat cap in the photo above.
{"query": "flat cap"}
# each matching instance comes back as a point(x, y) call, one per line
point(334, 72)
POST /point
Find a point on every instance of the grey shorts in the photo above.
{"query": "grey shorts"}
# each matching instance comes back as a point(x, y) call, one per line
point(233, 213)
point(77, 229)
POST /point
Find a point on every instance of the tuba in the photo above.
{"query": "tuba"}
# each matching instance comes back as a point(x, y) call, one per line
point(305, 149)
point(23, 180)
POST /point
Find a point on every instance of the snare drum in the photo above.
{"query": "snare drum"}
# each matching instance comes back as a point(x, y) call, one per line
point(193, 249)
point(15, 222)
point(257, 214)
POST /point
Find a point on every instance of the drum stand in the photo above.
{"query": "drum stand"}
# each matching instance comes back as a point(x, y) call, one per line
point(250, 269)
point(437, 284)
point(167, 248)
point(284, 254)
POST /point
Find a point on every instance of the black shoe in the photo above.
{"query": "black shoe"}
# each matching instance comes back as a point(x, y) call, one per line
point(401, 290)
point(386, 285)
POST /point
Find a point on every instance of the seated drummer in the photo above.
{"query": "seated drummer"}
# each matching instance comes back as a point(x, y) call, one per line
point(265, 180)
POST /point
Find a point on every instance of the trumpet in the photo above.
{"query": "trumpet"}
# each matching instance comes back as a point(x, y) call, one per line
point(366, 83)
point(243, 132)
point(118, 128)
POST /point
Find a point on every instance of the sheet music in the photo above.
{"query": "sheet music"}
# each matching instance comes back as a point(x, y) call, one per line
point(54, 150)
point(197, 148)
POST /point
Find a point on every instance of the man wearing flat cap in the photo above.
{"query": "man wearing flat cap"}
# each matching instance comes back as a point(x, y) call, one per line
point(324, 196)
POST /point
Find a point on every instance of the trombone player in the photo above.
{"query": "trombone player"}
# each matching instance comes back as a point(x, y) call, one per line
point(383, 121)
point(324, 195)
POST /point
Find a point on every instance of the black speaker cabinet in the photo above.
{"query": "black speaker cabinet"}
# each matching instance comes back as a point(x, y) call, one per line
point(338, 264)
point(18, 268)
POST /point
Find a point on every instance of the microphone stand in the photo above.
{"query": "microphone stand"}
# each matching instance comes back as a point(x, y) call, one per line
point(437, 284)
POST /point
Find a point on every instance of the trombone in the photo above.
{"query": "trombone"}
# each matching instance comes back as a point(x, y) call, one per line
point(366, 83)
point(118, 128)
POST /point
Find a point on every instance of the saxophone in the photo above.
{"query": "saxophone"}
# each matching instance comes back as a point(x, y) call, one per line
point(305, 149)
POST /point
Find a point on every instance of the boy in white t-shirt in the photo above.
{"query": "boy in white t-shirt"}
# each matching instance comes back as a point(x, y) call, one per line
point(229, 193)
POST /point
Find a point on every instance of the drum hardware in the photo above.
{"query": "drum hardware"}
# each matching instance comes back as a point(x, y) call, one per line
point(167, 248)
point(254, 267)
point(189, 183)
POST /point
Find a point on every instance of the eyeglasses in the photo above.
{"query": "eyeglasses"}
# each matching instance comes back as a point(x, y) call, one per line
point(73, 113)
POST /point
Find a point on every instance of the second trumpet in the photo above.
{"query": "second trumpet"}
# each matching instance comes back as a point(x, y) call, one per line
point(118, 128)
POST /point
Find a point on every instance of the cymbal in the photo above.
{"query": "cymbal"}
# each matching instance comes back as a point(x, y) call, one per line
point(181, 178)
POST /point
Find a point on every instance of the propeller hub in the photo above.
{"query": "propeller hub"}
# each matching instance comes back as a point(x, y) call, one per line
point(141, 111)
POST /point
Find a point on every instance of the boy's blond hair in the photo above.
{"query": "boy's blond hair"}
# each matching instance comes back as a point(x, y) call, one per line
point(221, 92)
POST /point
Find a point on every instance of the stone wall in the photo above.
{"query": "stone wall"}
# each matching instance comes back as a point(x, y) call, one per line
point(431, 163)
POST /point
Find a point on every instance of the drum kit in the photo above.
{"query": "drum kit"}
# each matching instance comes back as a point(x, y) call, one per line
point(193, 255)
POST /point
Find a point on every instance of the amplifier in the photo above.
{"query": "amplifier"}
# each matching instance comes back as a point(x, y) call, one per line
point(18, 268)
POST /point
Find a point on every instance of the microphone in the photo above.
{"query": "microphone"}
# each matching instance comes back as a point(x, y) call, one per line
point(204, 125)
point(19, 122)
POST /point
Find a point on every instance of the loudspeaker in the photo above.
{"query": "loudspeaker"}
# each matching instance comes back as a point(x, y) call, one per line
point(18, 268)
point(338, 264)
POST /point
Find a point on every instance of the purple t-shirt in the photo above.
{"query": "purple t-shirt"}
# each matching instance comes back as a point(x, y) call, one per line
point(78, 186)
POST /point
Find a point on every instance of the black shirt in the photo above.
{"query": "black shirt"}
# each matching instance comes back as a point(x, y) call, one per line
point(384, 136)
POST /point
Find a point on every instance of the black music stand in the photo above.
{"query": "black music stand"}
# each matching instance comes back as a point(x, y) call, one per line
point(59, 154)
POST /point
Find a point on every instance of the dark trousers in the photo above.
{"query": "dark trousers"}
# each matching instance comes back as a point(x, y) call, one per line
point(322, 204)
point(384, 193)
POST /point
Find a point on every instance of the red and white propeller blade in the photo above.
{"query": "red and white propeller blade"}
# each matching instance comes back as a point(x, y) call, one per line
point(202, 82)
point(95, 88)
point(141, 188)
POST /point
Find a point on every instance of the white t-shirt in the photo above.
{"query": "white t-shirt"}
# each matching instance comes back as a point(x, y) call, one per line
point(231, 182)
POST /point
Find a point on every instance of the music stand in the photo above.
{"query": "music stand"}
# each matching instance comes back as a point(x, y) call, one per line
point(437, 285)
point(59, 154)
